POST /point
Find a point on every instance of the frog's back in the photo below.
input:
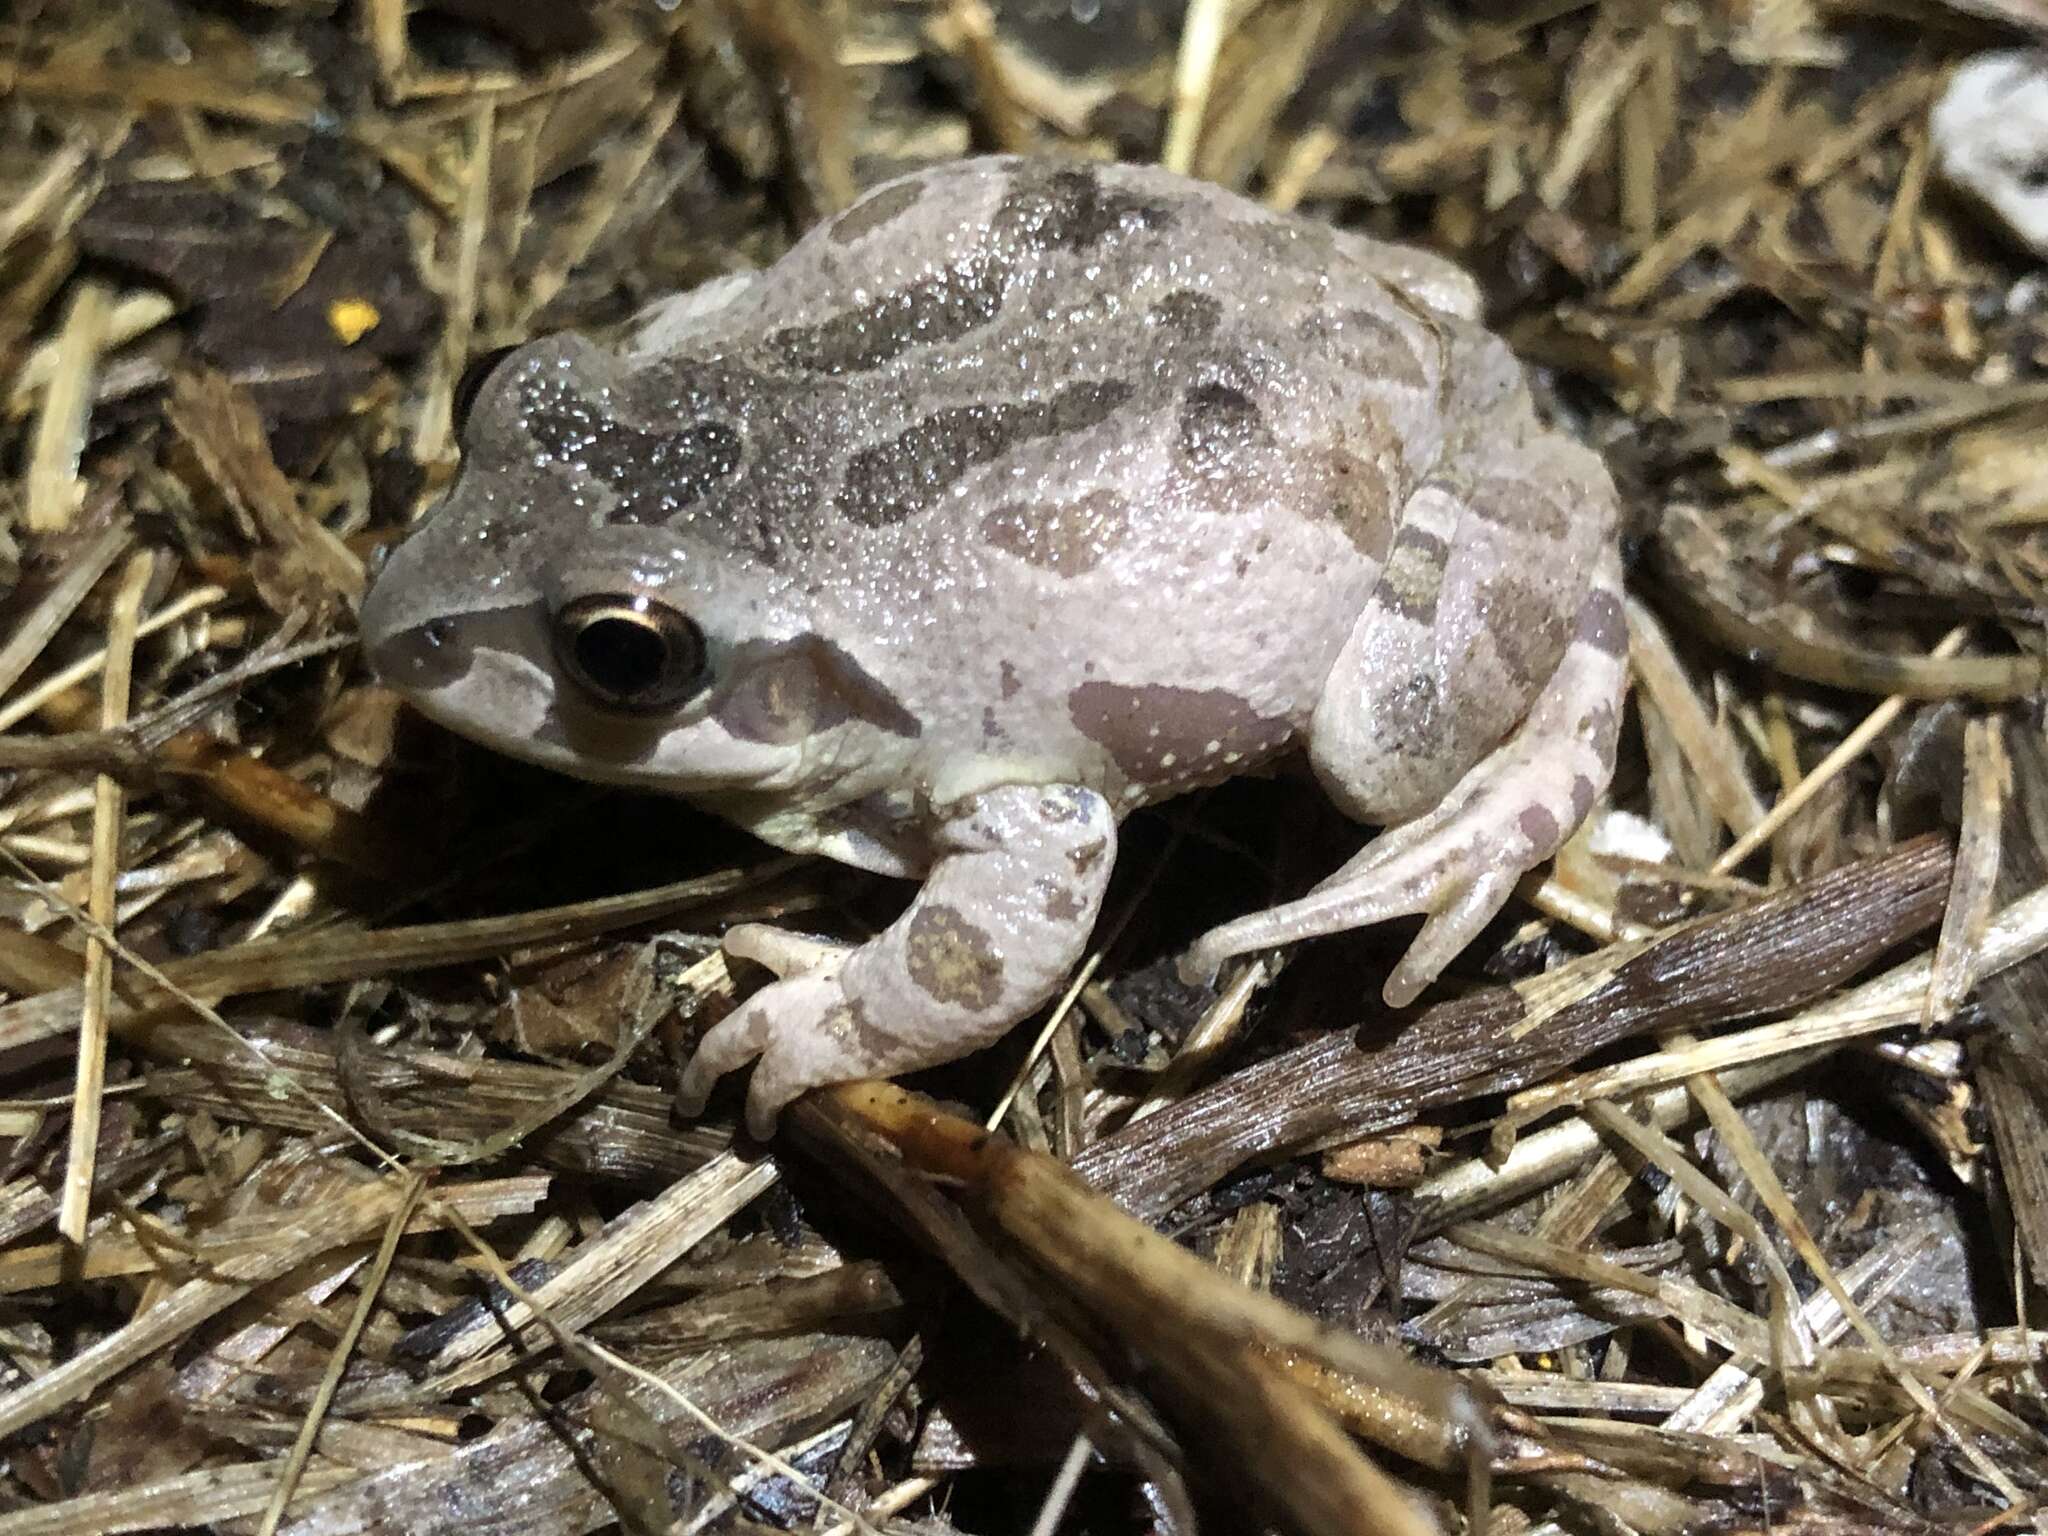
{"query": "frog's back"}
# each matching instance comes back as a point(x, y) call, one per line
point(1124, 442)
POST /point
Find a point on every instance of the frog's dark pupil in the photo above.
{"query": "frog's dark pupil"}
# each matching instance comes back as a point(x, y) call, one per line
point(621, 656)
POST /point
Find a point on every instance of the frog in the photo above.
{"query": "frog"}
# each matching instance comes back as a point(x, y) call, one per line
point(1021, 494)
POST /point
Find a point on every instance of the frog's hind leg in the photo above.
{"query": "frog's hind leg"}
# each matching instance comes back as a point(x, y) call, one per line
point(1457, 863)
point(1474, 707)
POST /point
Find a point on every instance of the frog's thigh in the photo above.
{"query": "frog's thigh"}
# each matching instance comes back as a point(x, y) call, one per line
point(1467, 625)
point(1003, 915)
point(1458, 863)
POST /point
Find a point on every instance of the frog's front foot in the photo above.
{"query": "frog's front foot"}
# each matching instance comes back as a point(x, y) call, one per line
point(1001, 919)
point(800, 1032)
point(1457, 864)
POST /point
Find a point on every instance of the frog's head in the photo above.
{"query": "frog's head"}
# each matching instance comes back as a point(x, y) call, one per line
point(574, 601)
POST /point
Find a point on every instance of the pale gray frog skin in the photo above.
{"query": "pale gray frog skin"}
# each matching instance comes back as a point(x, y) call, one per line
point(1020, 495)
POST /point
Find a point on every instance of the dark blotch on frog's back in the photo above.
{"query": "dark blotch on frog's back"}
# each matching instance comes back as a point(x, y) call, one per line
point(1369, 344)
point(651, 475)
point(1067, 538)
point(943, 308)
point(1221, 428)
point(894, 480)
point(1189, 316)
point(1055, 207)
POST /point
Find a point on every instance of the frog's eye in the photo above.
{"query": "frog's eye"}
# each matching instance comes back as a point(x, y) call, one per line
point(629, 653)
point(472, 380)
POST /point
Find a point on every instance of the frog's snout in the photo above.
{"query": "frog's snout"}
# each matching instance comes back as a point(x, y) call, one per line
point(406, 649)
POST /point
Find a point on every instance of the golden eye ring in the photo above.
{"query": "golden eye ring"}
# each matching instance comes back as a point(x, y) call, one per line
point(629, 653)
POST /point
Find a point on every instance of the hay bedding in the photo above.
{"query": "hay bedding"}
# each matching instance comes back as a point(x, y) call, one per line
point(338, 1191)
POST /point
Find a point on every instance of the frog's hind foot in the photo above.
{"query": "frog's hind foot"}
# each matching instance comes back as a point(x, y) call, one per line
point(1457, 864)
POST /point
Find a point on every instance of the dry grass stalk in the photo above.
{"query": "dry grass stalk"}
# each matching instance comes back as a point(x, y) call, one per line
point(1852, 746)
point(186, 1306)
point(1194, 74)
point(1987, 781)
point(294, 1469)
point(55, 491)
point(108, 812)
point(85, 568)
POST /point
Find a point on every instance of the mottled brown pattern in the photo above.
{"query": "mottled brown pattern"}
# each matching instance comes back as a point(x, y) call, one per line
point(850, 1024)
point(1527, 631)
point(1601, 727)
point(954, 304)
point(1060, 807)
point(1061, 904)
point(1293, 243)
point(1367, 343)
point(889, 482)
point(1410, 721)
point(1067, 208)
point(1359, 503)
point(1087, 856)
point(1603, 625)
point(1540, 828)
point(1191, 316)
point(1008, 683)
point(876, 210)
point(1159, 734)
point(951, 960)
point(1221, 429)
point(1414, 575)
point(1068, 538)
point(784, 691)
point(1584, 793)
point(652, 475)
point(1520, 505)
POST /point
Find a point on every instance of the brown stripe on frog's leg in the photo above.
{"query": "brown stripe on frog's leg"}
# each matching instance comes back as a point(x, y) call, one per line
point(1003, 915)
point(1476, 604)
point(1380, 733)
point(1457, 864)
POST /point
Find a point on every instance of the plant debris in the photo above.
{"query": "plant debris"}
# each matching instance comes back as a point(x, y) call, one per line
point(340, 1188)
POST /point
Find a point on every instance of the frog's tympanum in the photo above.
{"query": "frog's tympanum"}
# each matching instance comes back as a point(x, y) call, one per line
point(1022, 494)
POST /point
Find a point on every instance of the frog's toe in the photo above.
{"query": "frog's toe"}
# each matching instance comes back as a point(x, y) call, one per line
point(783, 952)
point(1198, 967)
point(801, 1034)
point(805, 1051)
point(727, 1046)
point(1465, 908)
